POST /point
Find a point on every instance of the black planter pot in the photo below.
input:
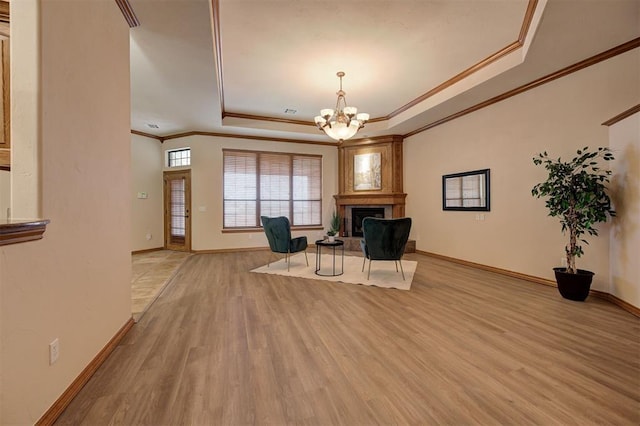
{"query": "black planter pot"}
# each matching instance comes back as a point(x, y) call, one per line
point(574, 286)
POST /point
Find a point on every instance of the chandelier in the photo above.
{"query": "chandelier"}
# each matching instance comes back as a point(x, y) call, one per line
point(343, 122)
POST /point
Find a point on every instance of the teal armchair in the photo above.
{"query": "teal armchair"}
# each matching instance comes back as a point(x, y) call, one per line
point(384, 239)
point(278, 231)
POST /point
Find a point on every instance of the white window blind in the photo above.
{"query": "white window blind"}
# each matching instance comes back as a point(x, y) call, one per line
point(472, 191)
point(275, 187)
point(240, 190)
point(178, 208)
point(271, 184)
point(307, 190)
point(465, 191)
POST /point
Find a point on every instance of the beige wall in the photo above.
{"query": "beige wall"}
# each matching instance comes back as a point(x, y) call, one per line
point(5, 193)
point(26, 176)
point(146, 176)
point(74, 284)
point(206, 188)
point(516, 234)
point(624, 139)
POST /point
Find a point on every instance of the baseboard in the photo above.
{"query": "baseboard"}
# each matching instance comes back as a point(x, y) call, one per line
point(239, 250)
point(597, 293)
point(230, 250)
point(74, 388)
point(506, 272)
point(147, 250)
point(617, 301)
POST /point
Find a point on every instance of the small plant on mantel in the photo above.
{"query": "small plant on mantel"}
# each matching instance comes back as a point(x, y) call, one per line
point(577, 194)
point(334, 225)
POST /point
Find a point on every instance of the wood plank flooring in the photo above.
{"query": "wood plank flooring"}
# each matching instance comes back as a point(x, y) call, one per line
point(151, 272)
point(223, 346)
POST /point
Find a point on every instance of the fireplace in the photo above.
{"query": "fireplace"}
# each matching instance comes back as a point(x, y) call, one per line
point(387, 200)
point(359, 213)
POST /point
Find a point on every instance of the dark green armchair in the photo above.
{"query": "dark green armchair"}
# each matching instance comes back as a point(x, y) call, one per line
point(278, 232)
point(384, 239)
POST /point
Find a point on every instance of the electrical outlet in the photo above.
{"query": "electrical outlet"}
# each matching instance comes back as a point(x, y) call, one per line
point(54, 351)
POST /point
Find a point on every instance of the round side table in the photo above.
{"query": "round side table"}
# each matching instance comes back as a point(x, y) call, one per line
point(332, 245)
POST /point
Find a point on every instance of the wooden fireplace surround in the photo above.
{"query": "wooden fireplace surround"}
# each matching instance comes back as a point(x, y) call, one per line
point(391, 191)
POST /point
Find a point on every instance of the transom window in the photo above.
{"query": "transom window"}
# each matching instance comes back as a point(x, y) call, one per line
point(179, 157)
point(271, 184)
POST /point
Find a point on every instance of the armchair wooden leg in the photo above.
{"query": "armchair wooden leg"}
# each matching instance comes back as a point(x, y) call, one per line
point(401, 269)
point(396, 262)
point(369, 273)
point(306, 258)
point(364, 260)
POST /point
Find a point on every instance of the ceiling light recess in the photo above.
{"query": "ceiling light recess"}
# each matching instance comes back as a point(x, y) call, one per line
point(343, 122)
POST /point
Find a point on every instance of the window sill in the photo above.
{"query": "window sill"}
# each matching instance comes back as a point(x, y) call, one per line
point(20, 231)
point(293, 228)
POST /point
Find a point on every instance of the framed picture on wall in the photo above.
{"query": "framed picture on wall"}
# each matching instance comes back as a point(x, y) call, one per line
point(366, 172)
point(466, 191)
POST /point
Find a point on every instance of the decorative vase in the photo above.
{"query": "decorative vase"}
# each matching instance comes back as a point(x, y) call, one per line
point(332, 238)
point(574, 286)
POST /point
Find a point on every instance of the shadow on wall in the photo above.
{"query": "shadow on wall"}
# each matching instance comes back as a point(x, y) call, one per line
point(625, 191)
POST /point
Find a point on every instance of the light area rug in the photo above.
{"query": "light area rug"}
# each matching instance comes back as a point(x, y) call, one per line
point(383, 273)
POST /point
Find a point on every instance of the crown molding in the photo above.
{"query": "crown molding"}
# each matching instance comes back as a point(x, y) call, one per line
point(622, 115)
point(525, 28)
point(263, 118)
point(147, 135)
point(510, 48)
point(128, 13)
point(250, 137)
point(607, 54)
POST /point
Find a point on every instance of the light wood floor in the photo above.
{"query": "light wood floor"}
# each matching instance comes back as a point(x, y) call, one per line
point(151, 272)
point(223, 346)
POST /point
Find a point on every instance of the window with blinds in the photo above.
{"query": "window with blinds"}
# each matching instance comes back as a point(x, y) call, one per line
point(271, 184)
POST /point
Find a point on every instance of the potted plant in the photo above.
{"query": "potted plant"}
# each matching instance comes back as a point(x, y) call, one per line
point(334, 226)
point(576, 193)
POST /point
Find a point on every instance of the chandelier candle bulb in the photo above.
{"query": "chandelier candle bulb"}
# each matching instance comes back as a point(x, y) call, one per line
point(343, 122)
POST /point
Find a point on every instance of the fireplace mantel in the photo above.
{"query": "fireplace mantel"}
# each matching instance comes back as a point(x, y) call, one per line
point(395, 200)
point(390, 192)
